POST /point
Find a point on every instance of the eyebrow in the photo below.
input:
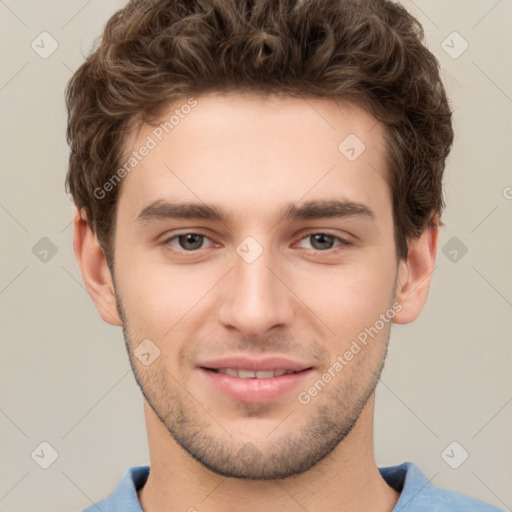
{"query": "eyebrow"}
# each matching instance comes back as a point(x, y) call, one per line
point(310, 210)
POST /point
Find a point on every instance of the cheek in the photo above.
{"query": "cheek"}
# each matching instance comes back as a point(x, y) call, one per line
point(352, 297)
point(157, 298)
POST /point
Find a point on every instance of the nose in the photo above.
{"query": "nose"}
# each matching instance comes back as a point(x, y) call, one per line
point(255, 296)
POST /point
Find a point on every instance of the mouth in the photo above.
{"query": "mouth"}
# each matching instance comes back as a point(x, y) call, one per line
point(254, 381)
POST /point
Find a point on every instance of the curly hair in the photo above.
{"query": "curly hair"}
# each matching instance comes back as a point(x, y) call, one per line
point(155, 52)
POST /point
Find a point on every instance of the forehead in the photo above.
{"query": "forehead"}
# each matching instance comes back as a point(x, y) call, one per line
point(256, 151)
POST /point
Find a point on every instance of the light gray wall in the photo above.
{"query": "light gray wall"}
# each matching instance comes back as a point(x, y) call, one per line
point(64, 375)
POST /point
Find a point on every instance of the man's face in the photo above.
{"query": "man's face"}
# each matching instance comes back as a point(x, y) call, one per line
point(257, 285)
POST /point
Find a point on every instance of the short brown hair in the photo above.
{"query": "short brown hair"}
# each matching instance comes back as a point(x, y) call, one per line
point(153, 53)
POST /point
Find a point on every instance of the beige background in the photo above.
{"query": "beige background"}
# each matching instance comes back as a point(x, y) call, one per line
point(64, 375)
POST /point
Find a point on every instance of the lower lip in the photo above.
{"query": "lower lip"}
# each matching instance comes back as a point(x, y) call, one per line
point(254, 390)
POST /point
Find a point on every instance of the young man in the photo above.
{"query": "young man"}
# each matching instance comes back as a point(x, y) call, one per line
point(258, 192)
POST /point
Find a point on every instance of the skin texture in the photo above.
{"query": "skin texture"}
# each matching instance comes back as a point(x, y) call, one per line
point(303, 298)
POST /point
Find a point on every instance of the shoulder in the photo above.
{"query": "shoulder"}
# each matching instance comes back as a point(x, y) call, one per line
point(451, 501)
point(418, 494)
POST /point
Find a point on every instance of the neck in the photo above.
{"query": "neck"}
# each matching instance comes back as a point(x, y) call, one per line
point(347, 479)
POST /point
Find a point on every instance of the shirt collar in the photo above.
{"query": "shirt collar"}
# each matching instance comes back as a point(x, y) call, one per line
point(406, 478)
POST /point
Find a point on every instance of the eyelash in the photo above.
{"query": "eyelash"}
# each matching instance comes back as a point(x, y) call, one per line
point(342, 242)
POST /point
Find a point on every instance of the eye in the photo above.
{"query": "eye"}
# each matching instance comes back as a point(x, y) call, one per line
point(189, 242)
point(325, 241)
point(193, 241)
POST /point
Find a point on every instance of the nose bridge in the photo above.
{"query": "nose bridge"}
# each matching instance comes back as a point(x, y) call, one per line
point(254, 299)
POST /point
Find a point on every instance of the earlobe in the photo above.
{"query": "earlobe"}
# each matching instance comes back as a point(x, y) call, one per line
point(94, 269)
point(415, 275)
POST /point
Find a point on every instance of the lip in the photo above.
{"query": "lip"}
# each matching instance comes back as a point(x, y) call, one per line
point(254, 390)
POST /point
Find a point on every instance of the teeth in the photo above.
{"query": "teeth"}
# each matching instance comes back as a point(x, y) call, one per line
point(246, 374)
point(250, 374)
point(265, 375)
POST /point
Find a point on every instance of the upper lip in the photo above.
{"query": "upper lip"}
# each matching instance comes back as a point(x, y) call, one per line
point(261, 364)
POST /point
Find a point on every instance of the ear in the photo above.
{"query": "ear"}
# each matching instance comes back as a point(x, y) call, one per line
point(95, 272)
point(415, 274)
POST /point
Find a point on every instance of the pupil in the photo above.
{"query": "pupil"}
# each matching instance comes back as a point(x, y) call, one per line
point(322, 237)
point(189, 238)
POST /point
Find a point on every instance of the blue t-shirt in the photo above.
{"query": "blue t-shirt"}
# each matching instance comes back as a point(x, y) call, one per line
point(417, 493)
